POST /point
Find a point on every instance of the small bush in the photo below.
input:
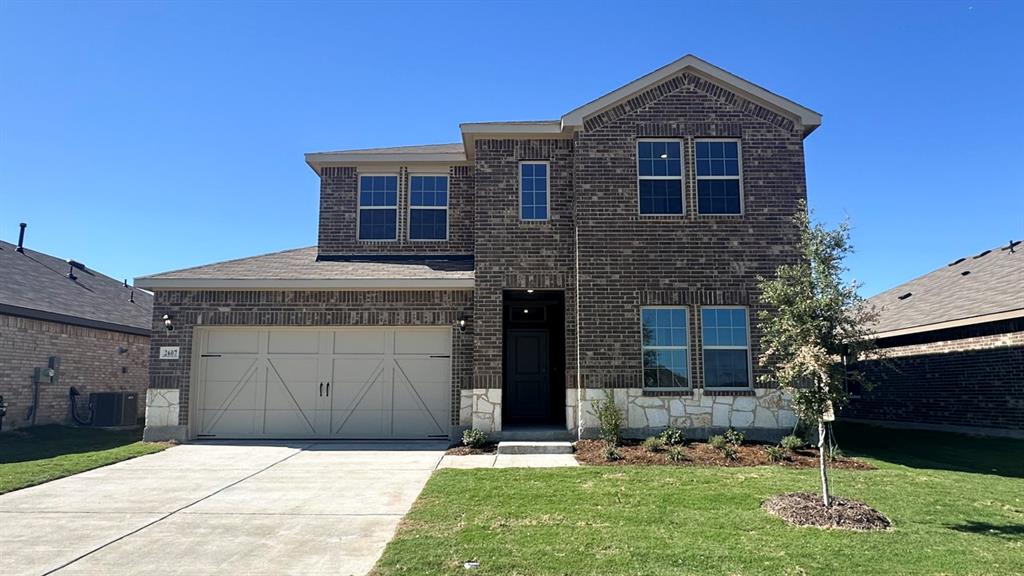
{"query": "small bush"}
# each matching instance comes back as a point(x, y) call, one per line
point(654, 444)
point(730, 452)
point(609, 417)
point(611, 454)
point(734, 437)
point(835, 454)
point(792, 442)
point(672, 436)
point(474, 438)
point(776, 454)
point(677, 454)
point(718, 442)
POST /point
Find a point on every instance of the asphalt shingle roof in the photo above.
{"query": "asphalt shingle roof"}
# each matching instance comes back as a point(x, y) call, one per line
point(301, 263)
point(38, 282)
point(990, 282)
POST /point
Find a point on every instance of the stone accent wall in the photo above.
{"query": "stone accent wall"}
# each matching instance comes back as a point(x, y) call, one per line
point(699, 414)
point(627, 261)
point(339, 213)
point(90, 360)
point(189, 309)
point(969, 382)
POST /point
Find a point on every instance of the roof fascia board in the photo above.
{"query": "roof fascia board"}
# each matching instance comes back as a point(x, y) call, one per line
point(983, 319)
point(303, 284)
point(808, 118)
point(73, 320)
point(317, 160)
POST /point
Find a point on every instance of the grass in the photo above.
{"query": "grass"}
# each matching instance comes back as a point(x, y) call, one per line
point(31, 456)
point(957, 505)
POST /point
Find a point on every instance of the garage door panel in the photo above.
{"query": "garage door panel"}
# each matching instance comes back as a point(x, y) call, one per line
point(421, 342)
point(293, 342)
point(227, 369)
point(359, 341)
point(232, 422)
point(284, 423)
point(362, 423)
point(415, 423)
point(232, 342)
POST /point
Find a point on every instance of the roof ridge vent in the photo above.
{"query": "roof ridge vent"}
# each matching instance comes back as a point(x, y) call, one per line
point(905, 296)
point(957, 261)
point(982, 254)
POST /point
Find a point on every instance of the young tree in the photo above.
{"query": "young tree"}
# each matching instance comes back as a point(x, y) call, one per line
point(814, 325)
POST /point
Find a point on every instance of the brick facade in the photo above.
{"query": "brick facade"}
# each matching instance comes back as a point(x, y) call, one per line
point(189, 309)
point(965, 378)
point(90, 360)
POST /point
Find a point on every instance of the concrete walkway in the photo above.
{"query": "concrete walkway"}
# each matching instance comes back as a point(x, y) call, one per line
point(215, 508)
point(509, 461)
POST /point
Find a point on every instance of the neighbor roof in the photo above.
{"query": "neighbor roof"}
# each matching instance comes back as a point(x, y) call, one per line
point(36, 285)
point(985, 287)
point(300, 269)
point(804, 117)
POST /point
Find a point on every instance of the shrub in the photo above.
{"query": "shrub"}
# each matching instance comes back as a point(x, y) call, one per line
point(835, 454)
point(654, 444)
point(776, 454)
point(792, 442)
point(474, 438)
point(718, 442)
point(730, 452)
point(677, 454)
point(611, 454)
point(672, 436)
point(609, 417)
point(734, 437)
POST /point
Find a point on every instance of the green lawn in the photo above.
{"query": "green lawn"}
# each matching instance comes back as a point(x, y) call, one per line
point(957, 505)
point(31, 456)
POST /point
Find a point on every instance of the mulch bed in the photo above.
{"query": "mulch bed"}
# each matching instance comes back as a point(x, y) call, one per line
point(489, 448)
point(591, 452)
point(807, 509)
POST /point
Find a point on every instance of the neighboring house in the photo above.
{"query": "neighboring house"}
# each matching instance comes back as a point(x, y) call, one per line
point(955, 345)
point(507, 280)
point(95, 327)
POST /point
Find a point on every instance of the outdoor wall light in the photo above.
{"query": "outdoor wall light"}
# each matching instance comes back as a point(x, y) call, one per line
point(167, 323)
point(461, 324)
point(529, 291)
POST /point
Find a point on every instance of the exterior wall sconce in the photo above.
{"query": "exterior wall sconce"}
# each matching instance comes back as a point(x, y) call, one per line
point(167, 323)
point(461, 324)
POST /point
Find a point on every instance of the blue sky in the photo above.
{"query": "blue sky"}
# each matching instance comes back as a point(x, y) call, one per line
point(143, 137)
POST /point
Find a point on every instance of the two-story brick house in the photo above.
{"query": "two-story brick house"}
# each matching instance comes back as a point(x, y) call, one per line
point(507, 280)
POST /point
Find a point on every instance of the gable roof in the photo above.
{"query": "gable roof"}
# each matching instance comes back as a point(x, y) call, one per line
point(804, 118)
point(301, 269)
point(985, 287)
point(36, 285)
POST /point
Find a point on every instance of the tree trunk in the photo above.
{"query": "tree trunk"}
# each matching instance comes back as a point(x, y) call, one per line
point(822, 440)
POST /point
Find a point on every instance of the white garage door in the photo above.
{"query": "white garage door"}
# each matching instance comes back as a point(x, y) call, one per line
point(323, 383)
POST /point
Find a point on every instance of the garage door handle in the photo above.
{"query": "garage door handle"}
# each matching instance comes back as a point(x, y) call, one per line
point(328, 388)
point(321, 389)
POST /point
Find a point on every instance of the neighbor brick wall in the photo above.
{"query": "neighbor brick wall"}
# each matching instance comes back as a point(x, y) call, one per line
point(189, 309)
point(975, 381)
point(628, 261)
point(89, 361)
point(339, 213)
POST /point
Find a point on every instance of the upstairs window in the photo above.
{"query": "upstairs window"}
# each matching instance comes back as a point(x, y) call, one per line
point(428, 208)
point(378, 207)
point(660, 173)
point(726, 337)
point(533, 190)
point(718, 177)
point(665, 350)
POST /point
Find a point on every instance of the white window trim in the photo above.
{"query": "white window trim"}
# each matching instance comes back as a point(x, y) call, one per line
point(738, 177)
point(681, 177)
point(685, 347)
point(448, 200)
point(703, 347)
point(360, 207)
point(547, 192)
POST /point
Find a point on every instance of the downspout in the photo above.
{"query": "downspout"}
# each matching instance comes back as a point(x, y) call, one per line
point(579, 375)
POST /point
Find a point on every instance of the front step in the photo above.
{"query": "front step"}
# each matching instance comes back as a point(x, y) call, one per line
point(514, 447)
point(537, 434)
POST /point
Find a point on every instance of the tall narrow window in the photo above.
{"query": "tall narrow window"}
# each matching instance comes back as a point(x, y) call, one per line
point(718, 177)
point(664, 343)
point(533, 191)
point(725, 334)
point(378, 207)
point(660, 174)
point(428, 208)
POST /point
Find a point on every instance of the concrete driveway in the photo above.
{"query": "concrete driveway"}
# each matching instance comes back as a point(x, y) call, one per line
point(217, 508)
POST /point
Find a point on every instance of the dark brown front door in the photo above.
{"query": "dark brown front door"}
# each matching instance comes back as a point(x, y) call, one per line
point(527, 384)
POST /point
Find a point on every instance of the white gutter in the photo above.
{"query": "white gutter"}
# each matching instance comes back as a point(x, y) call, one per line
point(303, 283)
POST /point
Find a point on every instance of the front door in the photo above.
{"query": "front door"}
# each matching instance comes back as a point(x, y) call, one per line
point(527, 392)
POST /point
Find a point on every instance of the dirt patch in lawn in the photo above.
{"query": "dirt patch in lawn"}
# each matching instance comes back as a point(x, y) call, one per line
point(592, 452)
point(489, 448)
point(807, 509)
